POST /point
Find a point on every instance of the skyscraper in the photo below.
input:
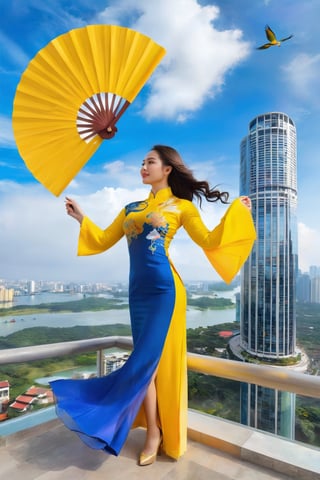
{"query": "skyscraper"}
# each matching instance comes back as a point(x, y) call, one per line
point(303, 288)
point(268, 280)
point(268, 289)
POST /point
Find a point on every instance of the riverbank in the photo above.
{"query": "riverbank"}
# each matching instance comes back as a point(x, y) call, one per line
point(195, 318)
point(96, 304)
point(93, 304)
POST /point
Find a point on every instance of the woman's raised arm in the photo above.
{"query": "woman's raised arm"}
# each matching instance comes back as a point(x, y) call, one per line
point(74, 210)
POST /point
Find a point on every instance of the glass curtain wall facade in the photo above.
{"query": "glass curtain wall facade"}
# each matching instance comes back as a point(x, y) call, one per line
point(269, 410)
point(268, 280)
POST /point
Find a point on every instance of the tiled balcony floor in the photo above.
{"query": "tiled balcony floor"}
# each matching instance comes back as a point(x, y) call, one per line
point(53, 453)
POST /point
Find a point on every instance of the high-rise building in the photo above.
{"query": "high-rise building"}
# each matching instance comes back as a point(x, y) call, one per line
point(31, 287)
point(303, 288)
point(268, 289)
point(314, 271)
point(6, 294)
point(268, 279)
point(315, 290)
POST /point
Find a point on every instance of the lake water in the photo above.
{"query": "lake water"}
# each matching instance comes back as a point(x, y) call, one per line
point(195, 318)
point(11, 324)
point(48, 297)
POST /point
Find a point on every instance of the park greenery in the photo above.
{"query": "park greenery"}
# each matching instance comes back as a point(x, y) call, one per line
point(216, 396)
point(203, 303)
point(94, 304)
point(90, 304)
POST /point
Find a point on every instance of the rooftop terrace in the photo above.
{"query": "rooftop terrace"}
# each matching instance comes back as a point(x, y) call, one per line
point(51, 452)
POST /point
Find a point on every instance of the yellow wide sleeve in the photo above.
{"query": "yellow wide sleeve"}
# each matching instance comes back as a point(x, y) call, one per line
point(93, 239)
point(229, 244)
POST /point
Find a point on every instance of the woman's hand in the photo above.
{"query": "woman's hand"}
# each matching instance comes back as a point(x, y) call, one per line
point(74, 210)
point(246, 201)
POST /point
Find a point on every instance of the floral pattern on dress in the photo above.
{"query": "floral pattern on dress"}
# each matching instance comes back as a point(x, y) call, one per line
point(160, 229)
point(156, 219)
point(132, 229)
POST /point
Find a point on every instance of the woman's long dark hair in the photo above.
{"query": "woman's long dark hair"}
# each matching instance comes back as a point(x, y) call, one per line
point(182, 182)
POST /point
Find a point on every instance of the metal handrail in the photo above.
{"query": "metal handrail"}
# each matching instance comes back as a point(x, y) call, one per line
point(279, 378)
point(52, 350)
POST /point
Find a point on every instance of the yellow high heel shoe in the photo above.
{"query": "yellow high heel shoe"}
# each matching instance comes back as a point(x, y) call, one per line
point(149, 458)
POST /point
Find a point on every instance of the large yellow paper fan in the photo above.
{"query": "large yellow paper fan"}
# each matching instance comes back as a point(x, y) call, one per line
point(72, 94)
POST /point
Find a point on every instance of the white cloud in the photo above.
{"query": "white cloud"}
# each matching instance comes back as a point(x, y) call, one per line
point(118, 174)
point(6, 133)
point(123, 174)
point(39, 241)
point(198, 58)
point(309, 253)
point(302, 75)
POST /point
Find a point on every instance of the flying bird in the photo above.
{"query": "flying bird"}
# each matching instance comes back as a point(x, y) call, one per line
point(272, 39)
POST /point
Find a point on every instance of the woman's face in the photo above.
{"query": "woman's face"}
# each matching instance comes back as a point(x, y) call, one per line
point(153, 172)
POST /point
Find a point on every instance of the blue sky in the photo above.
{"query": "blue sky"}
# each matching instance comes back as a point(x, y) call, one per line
point(200, 100)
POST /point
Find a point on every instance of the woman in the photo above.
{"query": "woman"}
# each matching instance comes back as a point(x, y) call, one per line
point(150, 390)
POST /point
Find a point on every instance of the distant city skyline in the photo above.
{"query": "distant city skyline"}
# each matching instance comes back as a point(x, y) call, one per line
point(9, 281)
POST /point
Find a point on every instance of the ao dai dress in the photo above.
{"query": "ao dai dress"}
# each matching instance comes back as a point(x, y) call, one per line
point(103, 410)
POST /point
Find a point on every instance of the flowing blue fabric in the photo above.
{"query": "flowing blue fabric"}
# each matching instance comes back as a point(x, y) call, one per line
point(102, 410)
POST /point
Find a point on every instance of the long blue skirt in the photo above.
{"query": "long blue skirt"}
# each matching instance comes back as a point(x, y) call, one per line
point(102, 410)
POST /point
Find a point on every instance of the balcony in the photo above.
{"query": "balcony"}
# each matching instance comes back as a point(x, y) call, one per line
point(217, 448)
